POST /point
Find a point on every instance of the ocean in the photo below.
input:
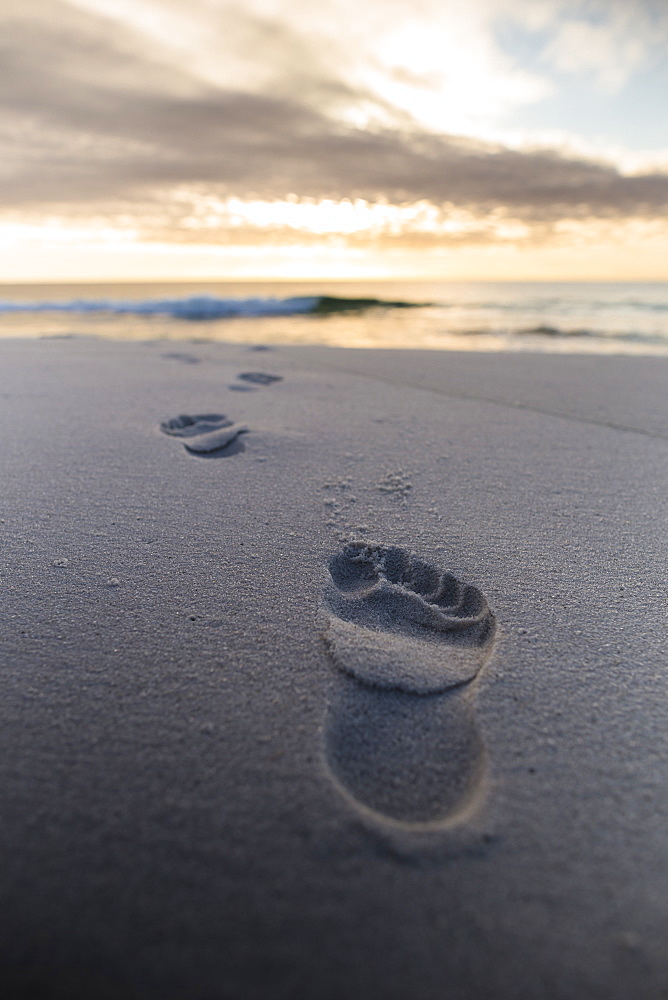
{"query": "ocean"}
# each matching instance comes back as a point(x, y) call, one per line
point(572, 317)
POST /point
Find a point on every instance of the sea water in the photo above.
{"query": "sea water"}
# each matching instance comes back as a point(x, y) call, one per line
point(576, 317)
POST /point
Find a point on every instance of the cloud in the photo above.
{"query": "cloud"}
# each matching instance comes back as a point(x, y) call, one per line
point(94, 115)
point(607, 41)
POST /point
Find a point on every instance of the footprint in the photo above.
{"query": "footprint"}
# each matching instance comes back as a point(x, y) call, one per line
point(186, 359)
point(200, 423)
point(260, 378)
point(401, 738)
point(205, 432)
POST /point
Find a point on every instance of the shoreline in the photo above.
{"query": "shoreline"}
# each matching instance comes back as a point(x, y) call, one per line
point(555, 317)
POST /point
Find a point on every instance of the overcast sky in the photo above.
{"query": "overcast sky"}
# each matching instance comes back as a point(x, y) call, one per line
point(366, 136)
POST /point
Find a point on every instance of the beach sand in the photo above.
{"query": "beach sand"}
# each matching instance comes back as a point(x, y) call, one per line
point(347, 684)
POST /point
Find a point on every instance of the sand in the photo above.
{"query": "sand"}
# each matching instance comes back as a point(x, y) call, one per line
point(361, 696)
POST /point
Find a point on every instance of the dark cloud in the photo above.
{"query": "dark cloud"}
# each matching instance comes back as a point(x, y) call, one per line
point(87, 115)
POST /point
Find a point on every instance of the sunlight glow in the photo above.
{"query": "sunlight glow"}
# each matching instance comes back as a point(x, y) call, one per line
point(447, 77)
point(206, 213)
point(55, 233)
point(578, 250)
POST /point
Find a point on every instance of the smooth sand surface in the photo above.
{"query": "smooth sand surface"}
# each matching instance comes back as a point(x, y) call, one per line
point(370, 702)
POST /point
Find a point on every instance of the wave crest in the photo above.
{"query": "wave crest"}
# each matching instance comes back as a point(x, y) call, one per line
point(208, 307)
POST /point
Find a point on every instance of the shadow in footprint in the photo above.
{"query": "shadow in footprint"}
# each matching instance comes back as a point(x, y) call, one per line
point(260, 378)
point(401, 737)
point(208, 435)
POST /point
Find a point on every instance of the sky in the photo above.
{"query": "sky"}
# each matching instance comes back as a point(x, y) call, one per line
point(439, 139)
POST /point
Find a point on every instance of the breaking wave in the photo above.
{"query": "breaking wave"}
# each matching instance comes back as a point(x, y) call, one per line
point(209, 307)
